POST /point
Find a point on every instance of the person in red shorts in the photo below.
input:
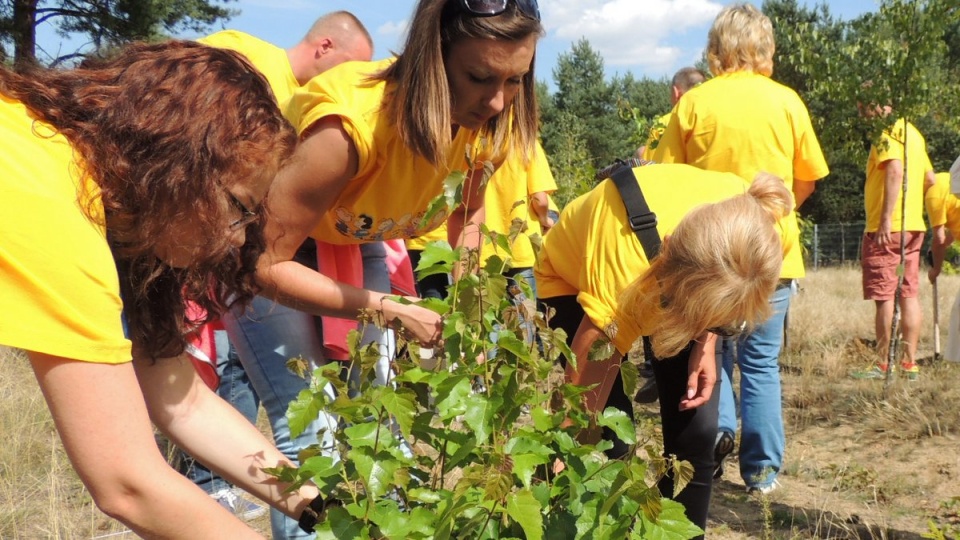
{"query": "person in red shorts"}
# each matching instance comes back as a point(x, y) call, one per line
point(901, 143)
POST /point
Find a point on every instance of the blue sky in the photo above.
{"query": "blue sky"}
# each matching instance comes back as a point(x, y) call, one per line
point(650, 38)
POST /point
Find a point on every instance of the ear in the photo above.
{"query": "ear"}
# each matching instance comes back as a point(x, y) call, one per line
point(324, 46)
point(675, 94)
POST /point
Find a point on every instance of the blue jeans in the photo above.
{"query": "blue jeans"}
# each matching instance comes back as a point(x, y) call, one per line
point(236, 390)
point(761, 409)
point(266, 335)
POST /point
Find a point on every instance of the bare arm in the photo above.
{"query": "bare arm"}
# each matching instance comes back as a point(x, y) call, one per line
point(602, 373)
point(941, 240)
point(306, 189)
point(213, 432)
point(802, 189)
point(540, 203)
point(701, 372)
point(892, 183)
point(106, 432)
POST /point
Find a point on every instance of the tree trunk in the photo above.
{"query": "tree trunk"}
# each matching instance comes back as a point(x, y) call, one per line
point(24, 34)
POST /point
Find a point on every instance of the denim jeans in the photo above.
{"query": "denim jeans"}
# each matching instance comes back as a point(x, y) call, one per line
point(760, 405)
point(236, 390)
point(266, 335)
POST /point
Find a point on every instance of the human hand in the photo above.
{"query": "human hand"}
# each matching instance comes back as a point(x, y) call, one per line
point(932, 274)
point(413, 321)
point(701, 374)
point(883, 236)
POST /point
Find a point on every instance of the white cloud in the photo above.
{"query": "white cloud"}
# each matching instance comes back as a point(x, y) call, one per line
point(630, 33)
point(393, 29)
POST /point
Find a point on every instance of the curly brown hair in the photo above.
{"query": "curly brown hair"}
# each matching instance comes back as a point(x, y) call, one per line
point(163, 129)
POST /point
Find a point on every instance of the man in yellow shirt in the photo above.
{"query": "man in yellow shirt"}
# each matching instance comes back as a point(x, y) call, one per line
point(880, 257)
point(741, 121)
point(683, 80)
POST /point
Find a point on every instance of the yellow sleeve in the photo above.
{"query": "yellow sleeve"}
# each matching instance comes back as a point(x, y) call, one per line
point(934, 201)
point(58, 279)
point(671, 148)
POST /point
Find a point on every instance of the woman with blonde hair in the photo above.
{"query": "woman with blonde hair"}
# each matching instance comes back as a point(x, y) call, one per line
point(716, 269)
point(743, 122)
point(133, 185)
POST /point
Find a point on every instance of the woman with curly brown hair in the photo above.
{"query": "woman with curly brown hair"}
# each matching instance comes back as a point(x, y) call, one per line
point(131, 186)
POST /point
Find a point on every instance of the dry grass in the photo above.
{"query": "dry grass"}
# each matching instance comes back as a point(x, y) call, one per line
point(857, 465)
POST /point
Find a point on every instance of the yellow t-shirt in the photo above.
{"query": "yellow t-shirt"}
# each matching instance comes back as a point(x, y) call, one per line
point(745, 123)
point(393, 187)
point(592, 252)
point(653, 137)
point(270, 60)
point(508, 198)
point(943, 207)
point(891, 146)
point(58, 280)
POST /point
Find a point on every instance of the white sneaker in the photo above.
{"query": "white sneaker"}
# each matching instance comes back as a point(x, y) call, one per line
point(240, 507)
point(764, 490)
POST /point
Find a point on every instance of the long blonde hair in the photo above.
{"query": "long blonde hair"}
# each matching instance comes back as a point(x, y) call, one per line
point(419, 96)
point(740, 39)
point(718, 268)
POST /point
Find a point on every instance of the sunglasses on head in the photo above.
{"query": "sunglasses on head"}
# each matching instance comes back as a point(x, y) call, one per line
point(728, 331)
point(490, 8)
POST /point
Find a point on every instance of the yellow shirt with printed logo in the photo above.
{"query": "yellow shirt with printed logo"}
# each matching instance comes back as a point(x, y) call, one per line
point(891, 146)
point(745, 123)
point(393, 187)
point(58, 280)
point(593, 253)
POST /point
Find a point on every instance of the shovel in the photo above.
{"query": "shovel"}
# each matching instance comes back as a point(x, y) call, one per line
point(936, 324)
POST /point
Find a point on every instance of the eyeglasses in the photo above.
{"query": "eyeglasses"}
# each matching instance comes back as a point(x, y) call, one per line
point(247, 216)
point(728, 331)
point(490, 8)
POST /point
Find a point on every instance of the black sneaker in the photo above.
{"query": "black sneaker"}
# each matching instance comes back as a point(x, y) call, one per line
point(647, 393)
point(723, 448)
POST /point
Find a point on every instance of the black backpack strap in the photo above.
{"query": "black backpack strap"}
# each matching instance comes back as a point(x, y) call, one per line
point(642, 220)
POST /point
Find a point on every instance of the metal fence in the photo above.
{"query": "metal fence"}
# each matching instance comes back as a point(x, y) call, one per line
point(832, 244)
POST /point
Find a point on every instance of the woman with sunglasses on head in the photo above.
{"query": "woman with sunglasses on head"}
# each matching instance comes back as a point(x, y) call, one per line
point(377, 140)
point(130, 188)
point(717, 266)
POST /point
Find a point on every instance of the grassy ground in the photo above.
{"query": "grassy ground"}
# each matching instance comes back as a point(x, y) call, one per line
point(859, 464)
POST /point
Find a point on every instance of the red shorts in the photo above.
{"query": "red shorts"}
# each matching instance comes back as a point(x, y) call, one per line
point(880, 266)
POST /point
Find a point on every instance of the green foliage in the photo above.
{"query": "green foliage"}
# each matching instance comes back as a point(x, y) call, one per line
point(909, 51)
point(105, 24)
point(465, 445)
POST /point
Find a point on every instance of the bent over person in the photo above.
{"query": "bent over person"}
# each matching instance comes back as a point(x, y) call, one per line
point(132, 186)
point(716, 270)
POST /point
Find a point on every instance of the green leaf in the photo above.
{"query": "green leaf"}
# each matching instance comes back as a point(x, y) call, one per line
point(340, 525)
point(451, 396)
point(479, 415)
point(631, 377)
point(525, 509)
point(303, 411)
point(401, 404)
point(620, 423)
point(671, 524)
point(437, 257)
point(376, 470)
point(513, 345)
